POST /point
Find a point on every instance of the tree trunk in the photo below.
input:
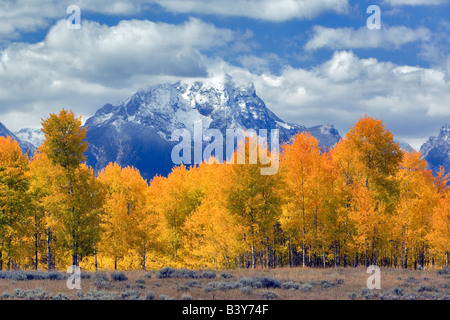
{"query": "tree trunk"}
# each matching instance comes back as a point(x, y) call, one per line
point(355, 263)
point(95, 256)
point(1, 256)
point(36, 251)
point(335, 254)
point(304, 255)
point(74, 236)
point(49, 252)
point(143, 259)
point(446, 259)
point(253, 256)
point(8, 264)
point(289, 254)
point(36, 242)
point(406, 259)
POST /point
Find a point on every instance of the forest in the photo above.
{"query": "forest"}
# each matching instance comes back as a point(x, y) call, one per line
point(362, 202)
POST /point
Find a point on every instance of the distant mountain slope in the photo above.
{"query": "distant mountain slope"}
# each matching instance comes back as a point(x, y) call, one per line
point(33, 136)
point(436, 151)
point(138, 131)
point(25, 146)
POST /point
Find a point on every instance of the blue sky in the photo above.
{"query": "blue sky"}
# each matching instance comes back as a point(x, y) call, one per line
point(312, 61)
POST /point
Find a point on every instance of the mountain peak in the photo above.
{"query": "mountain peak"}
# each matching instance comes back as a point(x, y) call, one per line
point(34, 136)
point(24, 145)
point(444, 133)
point(138, 130)
point(436, 151)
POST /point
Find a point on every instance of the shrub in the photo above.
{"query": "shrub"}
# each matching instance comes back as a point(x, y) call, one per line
point(339, 281)
point(289, 285)
point(187, 274)
point(222, 286)
point(306, 287)
point(19, 293)
point(209, 274)
point(410, 296)
point(427, 289)
point(269, 295)
point(150, 295)
point(444, 285)
point(169, 272)
point(389, 296)
point(36, 275)
point(443, 271)
point(268, 282)
point(36, 294)
point(396, 291)
point(102, 284)
point(182, 288)
point(250, 282)
point(138, 286)
point(100, 295)
point(100, 276)
point(186, 297)
point(60, 296)
point(166, 272)
point(226, 275)
point(369, 294)
point(5, 295)
point(326, 284)
point(55, 275)
point(118, 276)
point(164, 297)
point(130, 295)
point(148, 275)
point(352, 295)
point(247, 290)
point(18, 276)
point(193, 284)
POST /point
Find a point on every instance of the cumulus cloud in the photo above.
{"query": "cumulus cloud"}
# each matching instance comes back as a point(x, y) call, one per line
point(415, 2)
point(21, 16)
point(83, 69)
point(271, 10)
point(349, 38)
point(412, 101)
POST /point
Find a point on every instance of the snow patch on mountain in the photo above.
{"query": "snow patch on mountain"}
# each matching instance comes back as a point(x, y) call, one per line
point(436, 151)
point(142, 125)
point(34, 136)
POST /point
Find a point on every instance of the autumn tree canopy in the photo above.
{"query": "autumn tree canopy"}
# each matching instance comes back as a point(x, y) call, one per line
point(364, 201)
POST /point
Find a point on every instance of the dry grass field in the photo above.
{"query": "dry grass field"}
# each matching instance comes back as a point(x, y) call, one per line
point(244, 284)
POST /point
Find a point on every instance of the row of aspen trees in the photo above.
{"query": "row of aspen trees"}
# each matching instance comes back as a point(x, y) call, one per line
point(362, 202)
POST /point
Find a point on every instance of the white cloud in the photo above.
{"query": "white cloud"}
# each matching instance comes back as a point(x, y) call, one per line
point(415, 2)
point(349, 38)
point(19, 16)
point(271, 10)
point(83, 69)
point(412, 101)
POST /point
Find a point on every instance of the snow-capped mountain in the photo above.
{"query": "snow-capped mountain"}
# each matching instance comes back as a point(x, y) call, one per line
point(24, 145)
point(34, 136)
point(404, 146)
point(436, 151)
point(138, 131)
